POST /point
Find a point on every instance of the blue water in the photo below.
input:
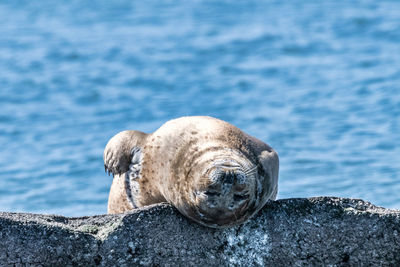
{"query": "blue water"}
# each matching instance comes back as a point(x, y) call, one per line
point(317, 80)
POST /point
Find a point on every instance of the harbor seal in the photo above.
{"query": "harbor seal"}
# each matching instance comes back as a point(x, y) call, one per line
point(210, 170)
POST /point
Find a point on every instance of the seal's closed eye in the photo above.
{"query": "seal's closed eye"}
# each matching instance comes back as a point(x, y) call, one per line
point(237, 197)
point(212, 193)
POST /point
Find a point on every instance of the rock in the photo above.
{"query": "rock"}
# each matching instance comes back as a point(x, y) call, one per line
point(288, 232)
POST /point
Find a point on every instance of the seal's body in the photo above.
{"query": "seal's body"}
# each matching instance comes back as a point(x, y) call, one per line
point(210, 170)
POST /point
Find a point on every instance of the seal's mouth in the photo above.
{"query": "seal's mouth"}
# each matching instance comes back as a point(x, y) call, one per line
point(220, 218)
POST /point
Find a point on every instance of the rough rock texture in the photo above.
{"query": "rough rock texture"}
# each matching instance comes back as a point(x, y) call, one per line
point(288, 232)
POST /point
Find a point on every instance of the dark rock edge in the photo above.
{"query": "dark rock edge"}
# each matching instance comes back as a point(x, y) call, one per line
point(288, 232)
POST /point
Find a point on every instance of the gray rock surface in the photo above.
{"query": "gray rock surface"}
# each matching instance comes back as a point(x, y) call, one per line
point(288, 232)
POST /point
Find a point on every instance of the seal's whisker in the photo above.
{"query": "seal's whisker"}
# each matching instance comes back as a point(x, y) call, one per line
point(250, 171)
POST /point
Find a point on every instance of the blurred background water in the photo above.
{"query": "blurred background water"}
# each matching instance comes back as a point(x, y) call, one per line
point(317, 80)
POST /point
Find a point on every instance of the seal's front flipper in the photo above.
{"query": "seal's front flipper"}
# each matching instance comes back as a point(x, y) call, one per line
point(118, 152)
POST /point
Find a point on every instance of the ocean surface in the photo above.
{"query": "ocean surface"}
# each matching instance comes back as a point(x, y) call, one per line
point(317, 80)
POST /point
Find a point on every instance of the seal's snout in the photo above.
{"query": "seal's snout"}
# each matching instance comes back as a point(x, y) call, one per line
point(224, 202)
point(228, 190)
point(227, 194)
point(226, 181)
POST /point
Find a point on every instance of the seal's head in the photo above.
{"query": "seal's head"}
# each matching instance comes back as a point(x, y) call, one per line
point(226, 192)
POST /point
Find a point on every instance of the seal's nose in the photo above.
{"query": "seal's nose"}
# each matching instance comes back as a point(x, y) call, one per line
point(229, 192)
point(228, 177)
